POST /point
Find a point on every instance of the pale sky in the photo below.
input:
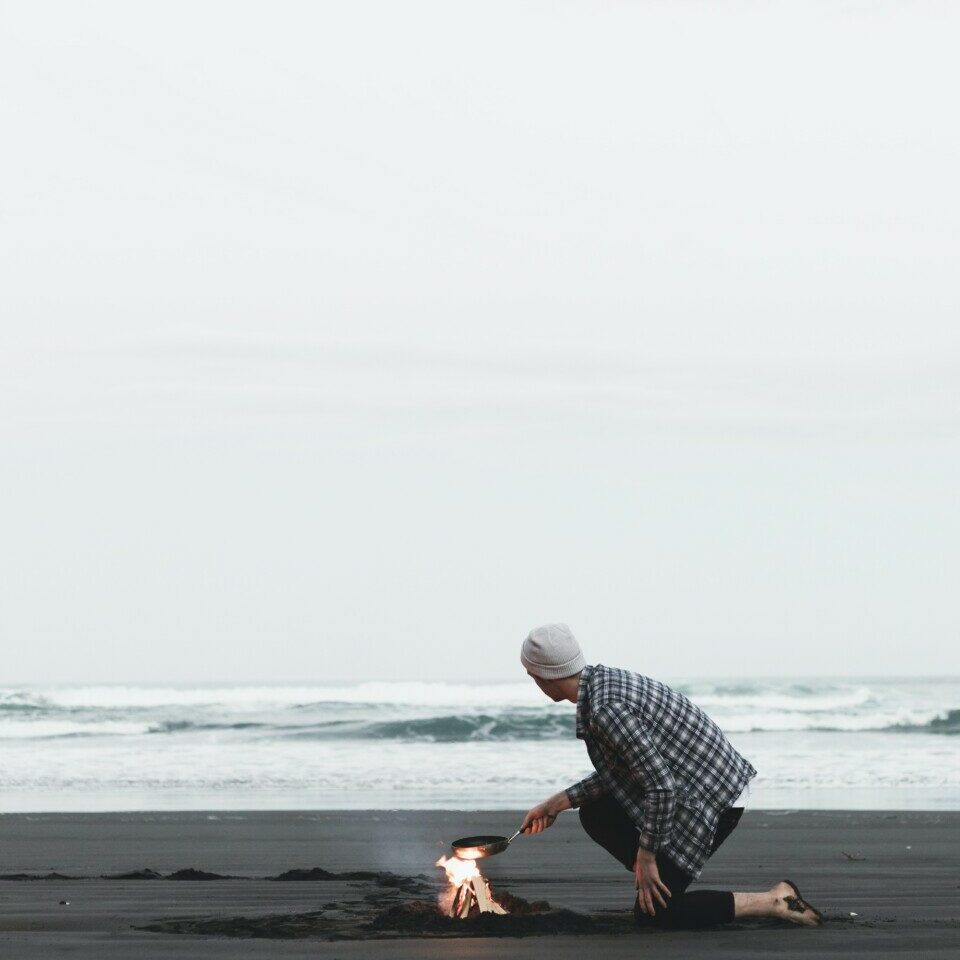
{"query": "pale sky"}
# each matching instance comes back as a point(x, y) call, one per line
point(353, 340)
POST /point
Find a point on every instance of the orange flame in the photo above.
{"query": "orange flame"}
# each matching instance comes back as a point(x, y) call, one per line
point(460, 872)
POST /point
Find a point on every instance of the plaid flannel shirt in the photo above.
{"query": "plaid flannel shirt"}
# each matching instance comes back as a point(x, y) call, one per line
point(661, 758)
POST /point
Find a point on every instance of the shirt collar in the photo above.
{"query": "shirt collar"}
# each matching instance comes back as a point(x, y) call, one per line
point(583, 701)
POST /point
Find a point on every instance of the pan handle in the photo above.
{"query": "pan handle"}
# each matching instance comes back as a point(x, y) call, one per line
point(514, 837)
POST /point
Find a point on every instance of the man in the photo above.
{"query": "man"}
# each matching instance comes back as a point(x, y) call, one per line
point(667, 790)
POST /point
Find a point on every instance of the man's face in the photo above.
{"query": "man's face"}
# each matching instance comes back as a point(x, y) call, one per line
point(549, 687)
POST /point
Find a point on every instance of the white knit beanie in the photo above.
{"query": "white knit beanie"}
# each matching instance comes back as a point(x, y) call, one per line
point(551, 652)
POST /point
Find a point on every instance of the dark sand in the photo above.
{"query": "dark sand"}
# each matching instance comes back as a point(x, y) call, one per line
point(904, 885)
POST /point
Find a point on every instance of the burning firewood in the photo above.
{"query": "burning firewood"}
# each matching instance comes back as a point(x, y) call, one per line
point(485, 901)
point(469, 891)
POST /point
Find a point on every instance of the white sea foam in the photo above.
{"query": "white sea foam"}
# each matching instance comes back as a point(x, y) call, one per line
point(258, 697)
point(776, 701)
point(44, 729)
point(431, 744)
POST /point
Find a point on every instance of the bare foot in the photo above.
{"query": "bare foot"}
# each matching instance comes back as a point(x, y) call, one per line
point(791, 906)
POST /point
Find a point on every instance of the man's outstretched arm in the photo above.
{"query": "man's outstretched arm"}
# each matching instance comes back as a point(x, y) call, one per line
point(543, 814)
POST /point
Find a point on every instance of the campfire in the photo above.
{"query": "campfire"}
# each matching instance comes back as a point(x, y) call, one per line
point(468, 894)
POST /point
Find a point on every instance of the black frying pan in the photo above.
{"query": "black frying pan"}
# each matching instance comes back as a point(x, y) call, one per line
point(476, 848)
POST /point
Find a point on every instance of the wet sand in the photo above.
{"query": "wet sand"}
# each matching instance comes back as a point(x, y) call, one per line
point(898, 872)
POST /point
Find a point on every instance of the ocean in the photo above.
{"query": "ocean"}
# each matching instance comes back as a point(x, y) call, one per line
point(836, 744)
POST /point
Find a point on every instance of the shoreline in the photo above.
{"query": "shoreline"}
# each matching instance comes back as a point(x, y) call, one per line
point(942, 798)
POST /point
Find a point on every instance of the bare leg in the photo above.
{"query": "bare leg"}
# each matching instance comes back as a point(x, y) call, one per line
point(754, 904)
point(775, 902)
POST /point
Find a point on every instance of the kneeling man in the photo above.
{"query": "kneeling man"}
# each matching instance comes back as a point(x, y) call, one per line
point(667, 790)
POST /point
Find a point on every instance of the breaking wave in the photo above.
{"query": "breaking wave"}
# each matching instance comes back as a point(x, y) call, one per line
point(330, 721)
point(948, 724)
point(452, 713)
point(447, 729)
point(508, 727)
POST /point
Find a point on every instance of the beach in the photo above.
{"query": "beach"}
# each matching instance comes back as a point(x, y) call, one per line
point(319, 813)
point(886, 881)
point(418, 417)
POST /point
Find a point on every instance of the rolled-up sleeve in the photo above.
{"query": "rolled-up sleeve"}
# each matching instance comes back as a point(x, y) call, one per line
point(585, 790)
point(649, 793)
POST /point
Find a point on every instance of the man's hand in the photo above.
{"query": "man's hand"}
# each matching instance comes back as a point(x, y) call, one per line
point(543, 814)
point(650, 888)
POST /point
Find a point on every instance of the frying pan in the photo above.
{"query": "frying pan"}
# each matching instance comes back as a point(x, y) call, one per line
point(476, 848)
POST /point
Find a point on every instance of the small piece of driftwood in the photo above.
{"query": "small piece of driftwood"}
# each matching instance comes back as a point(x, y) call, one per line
point(485, 902)
point(470, 892)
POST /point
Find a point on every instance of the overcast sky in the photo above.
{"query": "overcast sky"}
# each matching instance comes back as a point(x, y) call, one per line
point(346, 340)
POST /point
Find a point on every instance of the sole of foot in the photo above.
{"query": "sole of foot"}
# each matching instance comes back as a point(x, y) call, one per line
point(792, 907)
